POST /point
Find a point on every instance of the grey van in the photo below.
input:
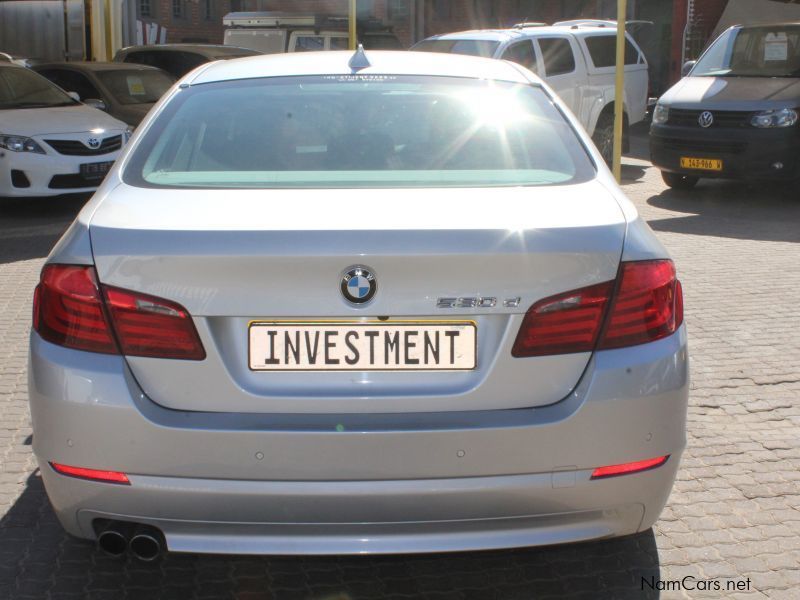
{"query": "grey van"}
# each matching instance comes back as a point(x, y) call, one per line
point(735, 115)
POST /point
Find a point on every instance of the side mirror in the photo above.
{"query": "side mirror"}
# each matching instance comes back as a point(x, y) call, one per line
point(75, 96)
point(95, 103)
point(687, 66)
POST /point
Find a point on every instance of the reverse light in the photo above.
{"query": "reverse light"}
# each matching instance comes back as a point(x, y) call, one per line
point(91, 474)
point(646, 305)
point(150, 326)
point(785, 117)
point(18, 143)
point(564, 323)
point(71, 309)
point(628, 468)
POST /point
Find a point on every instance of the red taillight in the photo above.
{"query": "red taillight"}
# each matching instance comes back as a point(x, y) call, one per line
point(565, 323)
point(93, 474)
point(149, 326)
point(647, 305)
point(627, 468)
point(69, 310)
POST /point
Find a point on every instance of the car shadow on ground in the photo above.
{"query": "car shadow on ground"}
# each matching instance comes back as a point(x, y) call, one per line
point(38, 560)
point(29, 227)
point(632, 173)
point(731, 210)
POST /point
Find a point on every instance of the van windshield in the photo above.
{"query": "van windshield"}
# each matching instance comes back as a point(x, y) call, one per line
point(765, 51)
point(359, 131)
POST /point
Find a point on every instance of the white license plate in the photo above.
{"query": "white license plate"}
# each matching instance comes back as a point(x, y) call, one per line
point(401, 346)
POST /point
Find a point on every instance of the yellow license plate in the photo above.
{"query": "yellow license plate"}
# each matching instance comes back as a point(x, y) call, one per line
point(704, 164)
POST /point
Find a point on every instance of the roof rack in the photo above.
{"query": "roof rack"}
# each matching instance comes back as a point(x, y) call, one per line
point(526, 24)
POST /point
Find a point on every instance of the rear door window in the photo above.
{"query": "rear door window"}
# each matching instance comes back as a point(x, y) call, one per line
point(603, 51)
point(557, 56)
point(523, 54)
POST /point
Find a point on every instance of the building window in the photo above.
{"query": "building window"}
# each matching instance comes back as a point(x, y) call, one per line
point(145, 8)
point(177, 9)
point(398, 9)
point(208, 10)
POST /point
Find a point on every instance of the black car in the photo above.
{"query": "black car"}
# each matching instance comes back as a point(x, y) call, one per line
point(179, 59)
point(736, 113)
point(126, 92)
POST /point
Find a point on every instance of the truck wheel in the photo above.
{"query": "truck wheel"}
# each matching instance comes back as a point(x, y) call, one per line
point(679, 182)
point(603, 138)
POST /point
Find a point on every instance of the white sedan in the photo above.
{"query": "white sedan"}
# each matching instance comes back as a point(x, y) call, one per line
point(50, 143)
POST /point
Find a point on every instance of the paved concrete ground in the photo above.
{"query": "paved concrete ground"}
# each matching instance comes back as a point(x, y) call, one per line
point(734, 514)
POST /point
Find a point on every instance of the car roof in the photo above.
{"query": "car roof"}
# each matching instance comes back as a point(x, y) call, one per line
point(382, 62)
point(97, 66)
point(768, 25)
point(501, 35)
point(210, 50)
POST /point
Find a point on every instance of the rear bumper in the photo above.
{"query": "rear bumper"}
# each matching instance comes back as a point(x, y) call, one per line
point(377, 483)
point(745, 153)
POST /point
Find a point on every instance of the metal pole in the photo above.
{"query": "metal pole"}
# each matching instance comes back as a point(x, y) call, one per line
point(619, 92)
point(352, 24)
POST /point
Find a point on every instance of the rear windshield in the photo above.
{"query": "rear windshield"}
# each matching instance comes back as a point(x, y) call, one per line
point(768, 51)
point(485, 48)
point(136, 86)
point(358, 131)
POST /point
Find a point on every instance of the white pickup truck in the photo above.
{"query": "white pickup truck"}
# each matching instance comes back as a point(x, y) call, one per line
point(577, 59)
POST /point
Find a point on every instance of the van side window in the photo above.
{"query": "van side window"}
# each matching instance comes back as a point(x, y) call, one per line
point(603, 50)
point(558, 56)
point(522, 54)
point(309, 43)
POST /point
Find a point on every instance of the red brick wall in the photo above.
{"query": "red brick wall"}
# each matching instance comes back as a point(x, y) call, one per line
point(193, 26)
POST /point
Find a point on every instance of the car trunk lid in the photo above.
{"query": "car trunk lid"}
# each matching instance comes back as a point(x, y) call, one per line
point(234, 257)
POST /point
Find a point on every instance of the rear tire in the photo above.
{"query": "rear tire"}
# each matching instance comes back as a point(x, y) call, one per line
point(603, 138)
point(679, 182)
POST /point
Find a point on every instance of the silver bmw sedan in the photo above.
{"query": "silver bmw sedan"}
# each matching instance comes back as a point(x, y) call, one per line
point(372, 303)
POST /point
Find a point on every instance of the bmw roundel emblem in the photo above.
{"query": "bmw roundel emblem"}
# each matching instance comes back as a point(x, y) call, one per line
point(358, 285)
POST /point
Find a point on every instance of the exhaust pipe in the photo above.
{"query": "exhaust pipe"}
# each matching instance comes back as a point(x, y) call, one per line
point(113, 539)
point(146, 543)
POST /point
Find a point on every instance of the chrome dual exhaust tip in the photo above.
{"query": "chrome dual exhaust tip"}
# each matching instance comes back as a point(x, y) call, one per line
point(144, 542)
